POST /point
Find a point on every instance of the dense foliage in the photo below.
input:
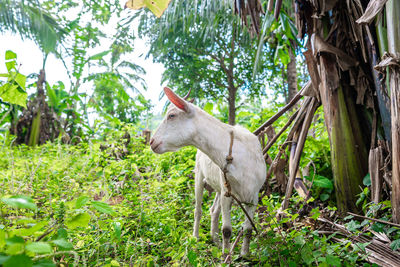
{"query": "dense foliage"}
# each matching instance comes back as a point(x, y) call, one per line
point(94, 204)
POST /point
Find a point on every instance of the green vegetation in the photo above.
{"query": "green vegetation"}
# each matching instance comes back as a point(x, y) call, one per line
point(84, 205)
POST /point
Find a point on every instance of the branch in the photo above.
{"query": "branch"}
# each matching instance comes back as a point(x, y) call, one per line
point(280, 113)
point(375, 220)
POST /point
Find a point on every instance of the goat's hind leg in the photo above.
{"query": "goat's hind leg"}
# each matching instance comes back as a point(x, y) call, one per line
point(215, 210)
point(247, 228)
point(226, 203)
point(199, 187)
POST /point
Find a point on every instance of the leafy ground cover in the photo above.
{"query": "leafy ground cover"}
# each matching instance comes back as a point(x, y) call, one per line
point(109, 203)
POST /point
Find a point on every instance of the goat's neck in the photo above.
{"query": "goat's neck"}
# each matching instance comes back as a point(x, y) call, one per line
point(213, 138)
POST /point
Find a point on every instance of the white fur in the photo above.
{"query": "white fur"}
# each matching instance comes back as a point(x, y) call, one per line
point(246, 174)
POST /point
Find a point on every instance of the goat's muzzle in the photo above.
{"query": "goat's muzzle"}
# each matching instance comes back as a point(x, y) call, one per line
point(154, 145)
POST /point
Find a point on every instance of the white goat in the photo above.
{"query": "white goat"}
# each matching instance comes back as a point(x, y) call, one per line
point(185, 124)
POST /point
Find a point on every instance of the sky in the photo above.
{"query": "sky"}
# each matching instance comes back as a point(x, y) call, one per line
point(30, 59)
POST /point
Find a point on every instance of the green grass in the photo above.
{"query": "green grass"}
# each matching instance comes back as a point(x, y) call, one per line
point(93, 208)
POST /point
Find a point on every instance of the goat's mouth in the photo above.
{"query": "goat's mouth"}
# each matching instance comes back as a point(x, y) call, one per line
point(154, 147)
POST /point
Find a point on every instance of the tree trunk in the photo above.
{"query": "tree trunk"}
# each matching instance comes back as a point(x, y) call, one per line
point(232, 105)
point(329, 39)
point(37, 123)
point(291, 74)
point(393, 33)
point(231, 80)
point(349, 156)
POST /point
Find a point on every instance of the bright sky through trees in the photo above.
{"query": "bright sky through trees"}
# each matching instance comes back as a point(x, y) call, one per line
point(30, 60)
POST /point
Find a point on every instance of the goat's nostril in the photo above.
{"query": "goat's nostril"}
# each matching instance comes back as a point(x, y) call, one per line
point(151, 141)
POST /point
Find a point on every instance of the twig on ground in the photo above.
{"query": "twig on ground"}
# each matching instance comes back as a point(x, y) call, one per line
point(373, 219)
point(228, 257)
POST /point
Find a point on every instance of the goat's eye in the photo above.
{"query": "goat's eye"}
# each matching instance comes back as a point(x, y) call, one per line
point(170, 116)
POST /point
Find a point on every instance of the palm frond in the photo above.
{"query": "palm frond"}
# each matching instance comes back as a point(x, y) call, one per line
point(132, 66)
point(29, 20)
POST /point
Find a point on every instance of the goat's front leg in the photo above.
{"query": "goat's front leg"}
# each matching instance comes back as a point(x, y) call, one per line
point(247, 228)
point(226, 203)
point(215, 210)
point(199, 186)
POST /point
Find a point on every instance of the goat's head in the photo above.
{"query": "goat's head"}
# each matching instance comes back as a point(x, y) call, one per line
point(178, 126)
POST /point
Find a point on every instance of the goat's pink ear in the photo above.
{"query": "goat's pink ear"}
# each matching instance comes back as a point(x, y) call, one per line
point(175, 99)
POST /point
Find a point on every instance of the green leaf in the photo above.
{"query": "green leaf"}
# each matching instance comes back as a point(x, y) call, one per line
point(2, 239)
point(44, 263)
point(99, 55)
point(11, 94)
point(20, 80)
point(208, 107)
point(324, 197)
point(15, 240)
point(192, 258)
point(15, 249)
point(395, 244)
point(39, 247)
point(367, 180)
point(10, 65)
point(22, 202)
point(30, 231)
point(102, 207)
point(378, 227)
point(323, 182)
point(62, 243)
point(80, 220)
point(3, 258)
point(81, 201)
point(62, 233)
point(10, 55)
point(333, 261)
point(18, 261)
point(156, 6)
point(117, 230)
point(353, 225)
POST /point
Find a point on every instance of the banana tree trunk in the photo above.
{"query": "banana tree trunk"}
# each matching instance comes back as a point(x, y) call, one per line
point(393, 34)
point(349, 156)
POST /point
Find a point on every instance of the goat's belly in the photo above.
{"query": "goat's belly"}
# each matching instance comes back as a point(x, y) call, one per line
point(214, 183)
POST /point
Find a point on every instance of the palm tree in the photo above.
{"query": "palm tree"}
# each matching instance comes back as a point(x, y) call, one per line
point(29, 20)
point(110, 96)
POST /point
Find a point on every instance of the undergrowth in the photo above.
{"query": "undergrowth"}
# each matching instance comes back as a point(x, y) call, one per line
point(87, 204)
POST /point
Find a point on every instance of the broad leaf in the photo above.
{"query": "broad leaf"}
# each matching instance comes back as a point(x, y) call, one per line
point(30, 231)
point(10, 55)
point(20, 80)
point(395, 245)
point(44, 263)
point(367, 180)
point(80, 220)
point(62, 243)
point(103, 207)
point(117, 230)
point(10, 65)
point(99, 55)
point(323, 182)
point(18, 261)
point(81, 201)
point(156, 6)
point(22, 202)
point(39, 247)
point(333, 261)
point(11, 94)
